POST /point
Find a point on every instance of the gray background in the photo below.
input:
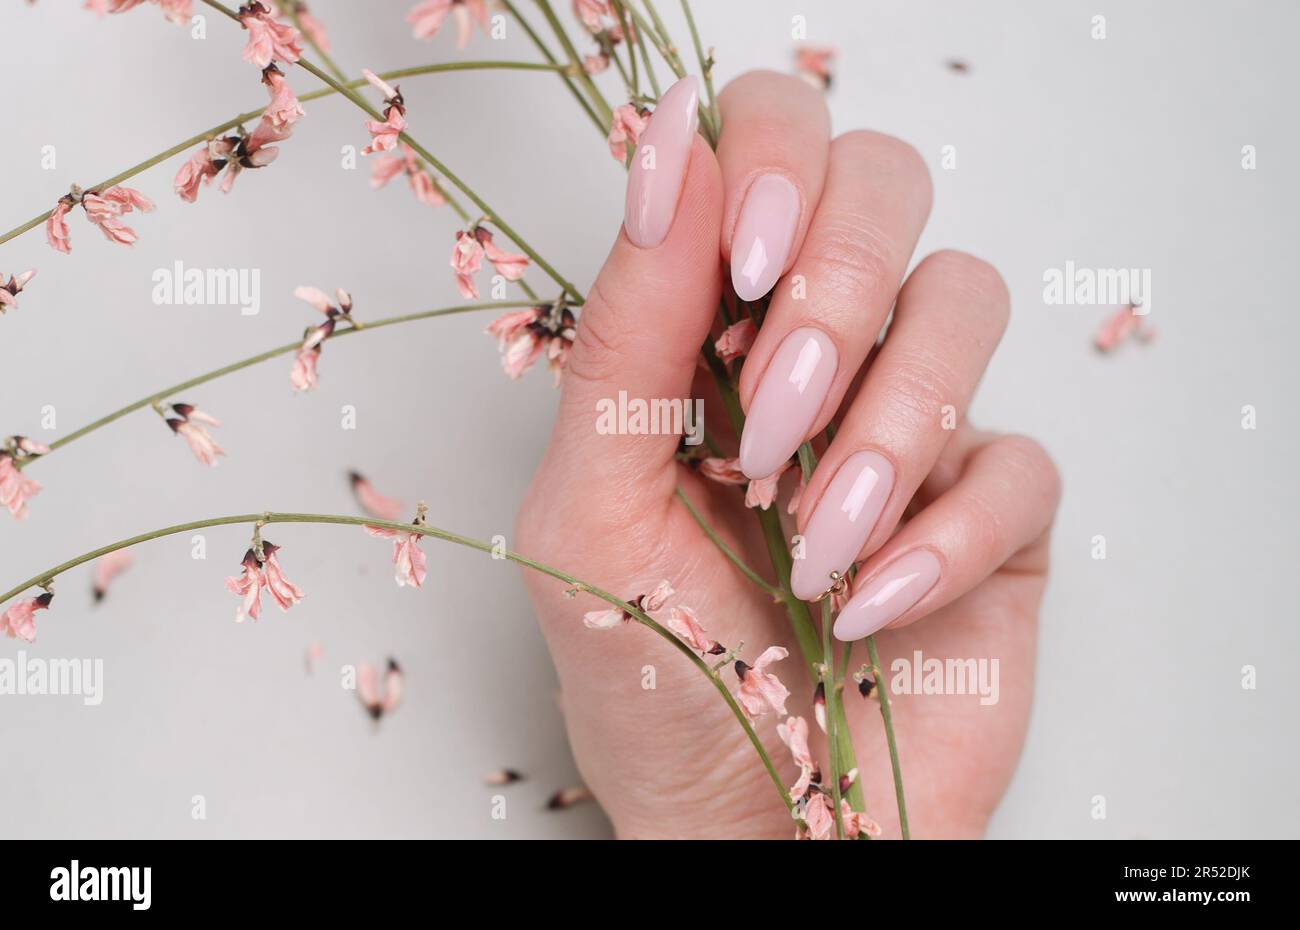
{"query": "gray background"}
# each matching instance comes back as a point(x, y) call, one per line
point(1116, 153)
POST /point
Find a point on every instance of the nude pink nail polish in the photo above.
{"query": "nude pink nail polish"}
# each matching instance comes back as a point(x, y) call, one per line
point(659, 165)
point(764, 232)
point(888, 595)
point(790, 394)
point(842, 521)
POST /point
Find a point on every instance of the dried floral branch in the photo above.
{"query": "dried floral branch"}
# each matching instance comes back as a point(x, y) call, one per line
point(436, 164)
point(250, 115)
point(159, 396)
point(259, 520)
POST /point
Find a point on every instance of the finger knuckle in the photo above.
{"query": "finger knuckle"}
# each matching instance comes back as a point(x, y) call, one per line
point(888, 155)
point(853, 256)
point(974, 278)
point(920, 386)
point(1026, 458)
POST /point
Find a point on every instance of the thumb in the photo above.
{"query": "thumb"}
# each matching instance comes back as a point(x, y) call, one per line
point(651, 306)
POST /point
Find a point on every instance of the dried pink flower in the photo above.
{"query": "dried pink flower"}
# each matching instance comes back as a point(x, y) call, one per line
point(313, 27)
point(378, 700)
point(591, 13)
point(200, 168)
point(523, 336)
point(9, 292)
point(284, 109)
point(108, 567)
point(188, 424)
point(303, 376)
point(16, 489)
point(56, 227)
point(176, 11)
point(723, 471)
point(762, 491)
point(759, 688)
point(267, 38)
point(408, 558)
point(371, 501)
point(510, 265)
point(1120, 325)
point(427, 18)
point(626, 126)
point(258, 575)
point(794, 733)
point(604, 619)
point(20, 619)
point(387, 167)
point(813, 62)
point(736, 340)
point(384, 135)
point(466, 260)
point(683, 622)
point(105, 209)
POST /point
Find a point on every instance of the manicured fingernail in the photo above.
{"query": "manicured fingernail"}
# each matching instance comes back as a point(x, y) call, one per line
point(842, 521)
point(888, 596)
point(763, 235)
point(659, 165)
point(785, 405)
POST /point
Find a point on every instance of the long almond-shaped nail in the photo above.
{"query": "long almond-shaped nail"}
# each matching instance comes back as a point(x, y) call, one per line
point(842, 521)
point(792, 390)
point(763, 235)
point(888, 596)
point(659, 165)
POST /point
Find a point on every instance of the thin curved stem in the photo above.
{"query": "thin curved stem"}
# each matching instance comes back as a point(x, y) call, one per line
point(249, 115)
point(158, 396)
point(593, 92)
point(435, 164)
point(888, 719)
point(776, 593)
point(270, 517)
point(833, 733)
point(563, 70)
point(706, 66)
point(291, 10)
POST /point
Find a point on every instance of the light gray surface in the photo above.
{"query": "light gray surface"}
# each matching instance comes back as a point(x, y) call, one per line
point(1123, 152)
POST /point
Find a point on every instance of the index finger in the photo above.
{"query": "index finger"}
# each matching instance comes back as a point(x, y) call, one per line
point(773, 153)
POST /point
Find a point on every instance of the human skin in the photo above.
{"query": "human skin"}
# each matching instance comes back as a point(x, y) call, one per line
point(954, 520)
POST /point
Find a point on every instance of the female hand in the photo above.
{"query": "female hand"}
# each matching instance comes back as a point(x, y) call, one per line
point(949, 524)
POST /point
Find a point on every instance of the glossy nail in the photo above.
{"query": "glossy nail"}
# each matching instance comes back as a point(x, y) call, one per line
point(842, 521)
point(888, 596)
point(790, 394)
point(659, 165)
point(764, 232)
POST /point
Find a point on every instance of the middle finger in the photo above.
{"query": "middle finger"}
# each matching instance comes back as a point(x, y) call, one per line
point(826, 312)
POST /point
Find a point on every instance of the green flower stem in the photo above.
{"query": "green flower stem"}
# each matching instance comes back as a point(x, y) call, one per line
point(436, 165)
point(888, 719)
point(706, 66)
point(268, 518)
point(593, 92)
point(562, 69)
point(365, 327)
point(833, 732)
point(659, 36)
point(776, 593)
point(624, 23)
point(291, 10)
point(253, 114)
point(641, 43)
point(810, 645)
